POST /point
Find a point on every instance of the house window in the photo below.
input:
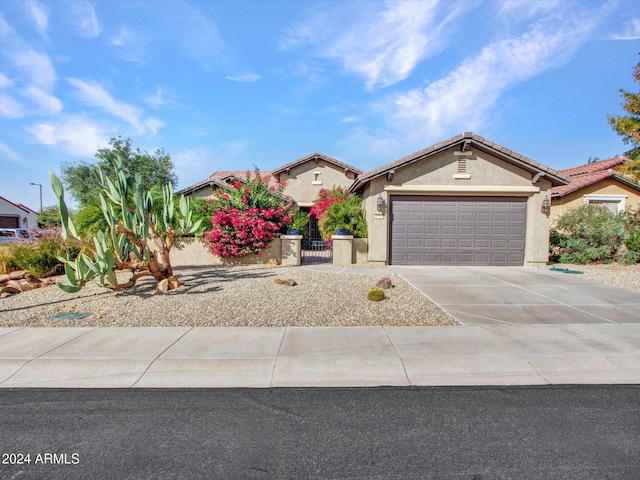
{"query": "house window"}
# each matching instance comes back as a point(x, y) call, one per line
point(614, 203)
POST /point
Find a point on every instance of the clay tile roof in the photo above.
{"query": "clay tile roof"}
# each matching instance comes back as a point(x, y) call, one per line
point(588, 174)
point(594, 166)
point(475, 141)
point(317, 156)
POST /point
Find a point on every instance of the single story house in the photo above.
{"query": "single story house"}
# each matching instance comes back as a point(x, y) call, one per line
point(16, 215)
point(463, 201)
point(304, 179)
point(595, 183)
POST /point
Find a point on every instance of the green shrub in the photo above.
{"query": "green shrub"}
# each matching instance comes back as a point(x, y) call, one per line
point(347, 215)
point(632, 242)
point(39, 258)
point(587, 234)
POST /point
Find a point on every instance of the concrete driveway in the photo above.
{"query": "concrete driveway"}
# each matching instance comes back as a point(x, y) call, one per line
point(521, 295)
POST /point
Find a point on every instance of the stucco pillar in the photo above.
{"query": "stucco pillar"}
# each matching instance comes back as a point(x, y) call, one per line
point(291, 248)
point(342, 250)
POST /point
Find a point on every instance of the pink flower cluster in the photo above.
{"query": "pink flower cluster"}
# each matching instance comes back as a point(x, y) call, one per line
point(240, 229)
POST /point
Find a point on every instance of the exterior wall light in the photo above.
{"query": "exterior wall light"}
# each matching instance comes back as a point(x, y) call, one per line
point(379, 202)
point(546, 206)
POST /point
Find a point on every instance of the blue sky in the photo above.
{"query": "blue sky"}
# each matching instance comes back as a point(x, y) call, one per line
point(232, 84)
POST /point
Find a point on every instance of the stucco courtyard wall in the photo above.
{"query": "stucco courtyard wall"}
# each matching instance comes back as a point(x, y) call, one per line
point(191, 252)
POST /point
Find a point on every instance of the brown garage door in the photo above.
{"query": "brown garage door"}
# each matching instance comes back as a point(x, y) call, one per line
point(9, 222)
point(428, 230)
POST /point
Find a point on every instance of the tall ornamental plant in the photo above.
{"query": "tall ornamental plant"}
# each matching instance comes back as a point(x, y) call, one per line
point(136, 239)
point(246, 217)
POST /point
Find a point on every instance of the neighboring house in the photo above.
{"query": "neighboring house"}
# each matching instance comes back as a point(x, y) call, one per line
point(463, 201)
point(15, 215)
point(595, 183)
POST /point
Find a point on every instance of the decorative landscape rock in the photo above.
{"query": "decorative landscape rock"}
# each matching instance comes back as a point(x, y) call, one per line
point(288, 282)
point(20, 281)
point(385, 283)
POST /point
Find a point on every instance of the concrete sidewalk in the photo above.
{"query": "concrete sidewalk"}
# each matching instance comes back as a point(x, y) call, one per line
point(327, 356)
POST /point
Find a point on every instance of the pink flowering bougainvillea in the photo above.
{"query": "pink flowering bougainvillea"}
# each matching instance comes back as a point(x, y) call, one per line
point(247, 217)
point(323, 202)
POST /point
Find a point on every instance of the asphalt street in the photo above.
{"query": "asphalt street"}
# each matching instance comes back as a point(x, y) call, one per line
point(538, 432)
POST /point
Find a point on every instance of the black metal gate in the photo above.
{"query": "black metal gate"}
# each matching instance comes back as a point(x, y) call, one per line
point(314, 248)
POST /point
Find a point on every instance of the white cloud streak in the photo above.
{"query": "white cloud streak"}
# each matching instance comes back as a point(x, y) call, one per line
point(244, 77)
point(7, 153)
point(36, 66)
point(49, 103)
point(9, 107)
point(5, 82)
point(76, 135)
point(40, 15)
point(382, 46)
point(94, 94)
point(82, 15)
point(461, 99)
point(631, 32)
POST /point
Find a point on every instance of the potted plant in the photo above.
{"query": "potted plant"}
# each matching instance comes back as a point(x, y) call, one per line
point(299, 220)
point(345, 218)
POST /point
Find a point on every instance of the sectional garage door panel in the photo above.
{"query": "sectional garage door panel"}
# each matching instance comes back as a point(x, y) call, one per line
point(457, 230)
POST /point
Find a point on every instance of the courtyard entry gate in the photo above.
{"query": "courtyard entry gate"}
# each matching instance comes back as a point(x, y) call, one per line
point(314, 248)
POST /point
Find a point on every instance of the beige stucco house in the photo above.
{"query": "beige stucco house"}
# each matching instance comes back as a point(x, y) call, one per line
point(595, 183)
point(304, 178)
point(463, 201)
point(16, 215)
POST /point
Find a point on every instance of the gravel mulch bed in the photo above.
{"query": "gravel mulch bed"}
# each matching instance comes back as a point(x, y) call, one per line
point(625, 276)
point(231, 297)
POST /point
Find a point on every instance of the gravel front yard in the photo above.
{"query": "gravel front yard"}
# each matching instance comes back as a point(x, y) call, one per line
point(625, 276)
point(230, 297)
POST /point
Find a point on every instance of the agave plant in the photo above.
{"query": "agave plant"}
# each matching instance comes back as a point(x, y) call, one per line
point(136, 239)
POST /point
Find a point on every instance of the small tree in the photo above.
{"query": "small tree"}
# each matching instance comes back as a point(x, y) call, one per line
point(136, 239)
point(247, 217)
point(49, 217)
point(628, 127)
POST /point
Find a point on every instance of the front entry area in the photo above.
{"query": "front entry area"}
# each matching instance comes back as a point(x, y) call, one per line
point(448, 230)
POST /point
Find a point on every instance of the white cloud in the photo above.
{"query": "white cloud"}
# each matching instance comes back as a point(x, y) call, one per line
point(631, 32)
point(49, 103)
point(153, 125)
point(157, 99)
point(381, 45)
point(192, 165)
point(40, 15)
point(7, 153)
point(37, 66)
point(525, 9)
point(460, 100)
point(5, 82)
point(131, 45)
point(76, 135)
point(244, 77)
point(195, 34)
point(82, 15)
point(9, 107)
